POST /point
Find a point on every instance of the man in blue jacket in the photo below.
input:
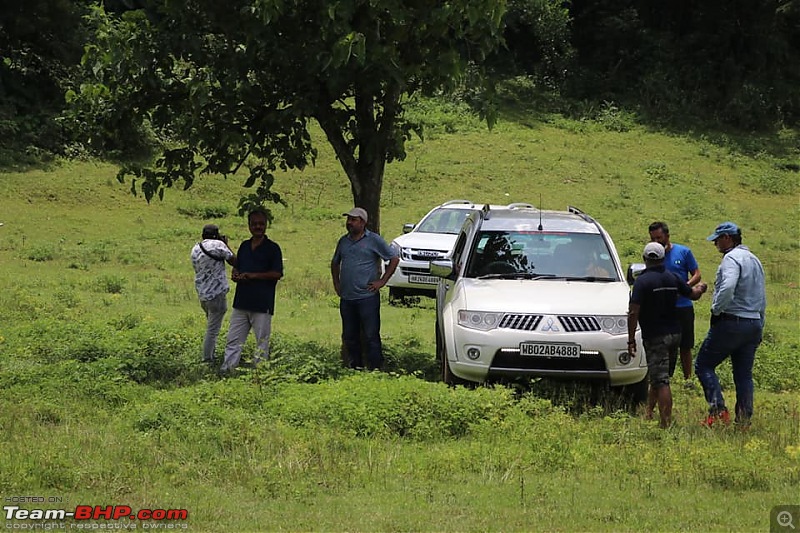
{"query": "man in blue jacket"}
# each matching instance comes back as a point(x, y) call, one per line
point(737, 325)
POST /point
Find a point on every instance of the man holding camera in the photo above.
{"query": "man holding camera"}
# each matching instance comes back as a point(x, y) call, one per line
point(208, 259)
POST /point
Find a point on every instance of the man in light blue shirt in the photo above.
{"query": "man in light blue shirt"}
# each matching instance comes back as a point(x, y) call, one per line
point(737, 325)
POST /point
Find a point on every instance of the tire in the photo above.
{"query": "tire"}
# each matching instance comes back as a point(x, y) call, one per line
point(396, 294)
point(636, 393)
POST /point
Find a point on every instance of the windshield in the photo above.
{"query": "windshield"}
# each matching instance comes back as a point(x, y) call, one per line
point(444, 221)
point(509, 254)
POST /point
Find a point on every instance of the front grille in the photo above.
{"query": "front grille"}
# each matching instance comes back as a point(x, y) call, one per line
point(579, 323)
point(521, 322)
point(426, 255)
point(512, 359)
point(415, 270)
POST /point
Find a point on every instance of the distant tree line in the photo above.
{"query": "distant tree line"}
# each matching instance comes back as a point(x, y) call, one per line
point(736, 62)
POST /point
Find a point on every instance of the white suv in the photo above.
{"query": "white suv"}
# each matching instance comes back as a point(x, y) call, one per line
point(432, 238)
point(529, 293)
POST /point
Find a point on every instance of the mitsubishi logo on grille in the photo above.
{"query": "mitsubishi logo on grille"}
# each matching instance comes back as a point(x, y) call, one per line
point(550, 325)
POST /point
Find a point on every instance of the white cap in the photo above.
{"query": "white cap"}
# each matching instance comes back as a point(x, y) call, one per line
point(654, 251)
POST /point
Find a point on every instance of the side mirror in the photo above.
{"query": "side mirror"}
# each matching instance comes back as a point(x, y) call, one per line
point(633, 272)
point(408, 227)
point(442, 268)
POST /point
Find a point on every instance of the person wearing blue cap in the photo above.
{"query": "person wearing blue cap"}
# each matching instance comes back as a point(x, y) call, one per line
point(737, 325)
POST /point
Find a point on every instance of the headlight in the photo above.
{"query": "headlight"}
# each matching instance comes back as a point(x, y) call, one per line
point(615, 325)
point(479, 319)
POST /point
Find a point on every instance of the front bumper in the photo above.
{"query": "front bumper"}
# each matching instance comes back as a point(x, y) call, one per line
point(601, 357)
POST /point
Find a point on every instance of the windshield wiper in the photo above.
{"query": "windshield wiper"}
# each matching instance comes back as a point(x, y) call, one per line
point(587, 278)
point(517, 275)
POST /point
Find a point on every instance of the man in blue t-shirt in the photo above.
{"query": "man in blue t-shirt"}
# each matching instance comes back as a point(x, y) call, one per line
point(355, 269)
point(258, 269)
point(680, 260)
point(652, 306)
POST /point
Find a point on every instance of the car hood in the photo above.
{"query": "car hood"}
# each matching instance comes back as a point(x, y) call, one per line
point(427, 241)
point(545, 296)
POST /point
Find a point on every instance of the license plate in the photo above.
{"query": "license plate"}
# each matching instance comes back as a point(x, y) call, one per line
point(426, 280)
point(548, 349)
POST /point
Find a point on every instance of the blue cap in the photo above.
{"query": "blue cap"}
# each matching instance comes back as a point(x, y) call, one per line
point(726, 228)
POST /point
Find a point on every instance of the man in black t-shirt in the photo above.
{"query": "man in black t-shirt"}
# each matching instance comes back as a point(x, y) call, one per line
point(652, 306)
point(259, 267)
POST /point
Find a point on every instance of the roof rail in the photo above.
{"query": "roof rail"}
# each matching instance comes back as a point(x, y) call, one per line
point(575, 211)
point(452, 202)
point(486, 210)
point(520, 205)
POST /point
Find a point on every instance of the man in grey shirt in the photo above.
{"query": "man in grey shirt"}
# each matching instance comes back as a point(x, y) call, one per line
point(737, 325)
point(355, 269)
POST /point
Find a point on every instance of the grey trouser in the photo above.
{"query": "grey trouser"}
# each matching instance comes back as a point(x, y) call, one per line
point(241, 322)
point(215, 310)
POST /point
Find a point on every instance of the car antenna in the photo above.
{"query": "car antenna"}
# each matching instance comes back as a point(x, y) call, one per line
point(540, 211)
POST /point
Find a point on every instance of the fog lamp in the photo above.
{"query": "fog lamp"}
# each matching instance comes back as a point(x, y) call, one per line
point(473, 353)
point(624, 358)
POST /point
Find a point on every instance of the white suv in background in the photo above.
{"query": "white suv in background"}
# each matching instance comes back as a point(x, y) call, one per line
point(432, 238)
point(529, 293)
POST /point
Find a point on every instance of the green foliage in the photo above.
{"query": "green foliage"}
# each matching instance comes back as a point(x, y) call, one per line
point(110, 283)
point(41, 253)
point(377, 405)
point(438, 115)
point(41, 42)
point(204, 212)
point(731, 62)
point(348, 69)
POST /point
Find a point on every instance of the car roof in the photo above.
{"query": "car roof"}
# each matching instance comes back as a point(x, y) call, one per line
point(524, 217)
point(457, 204)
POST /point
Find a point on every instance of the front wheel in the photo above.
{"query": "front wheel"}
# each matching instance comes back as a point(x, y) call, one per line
point(635, 394)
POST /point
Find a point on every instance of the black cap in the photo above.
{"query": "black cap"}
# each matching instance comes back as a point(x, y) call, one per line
point(210, 231)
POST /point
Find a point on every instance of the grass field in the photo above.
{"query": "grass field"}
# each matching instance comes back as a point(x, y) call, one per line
point(100, 332)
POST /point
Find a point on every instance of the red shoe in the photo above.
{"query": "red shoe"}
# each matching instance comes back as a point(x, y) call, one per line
point(723, 416)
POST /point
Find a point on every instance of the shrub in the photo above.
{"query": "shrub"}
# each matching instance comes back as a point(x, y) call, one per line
point(380, 405)
point(110, 283)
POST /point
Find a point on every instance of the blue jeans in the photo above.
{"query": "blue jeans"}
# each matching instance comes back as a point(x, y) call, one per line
point(358, 315)
point(737, 338)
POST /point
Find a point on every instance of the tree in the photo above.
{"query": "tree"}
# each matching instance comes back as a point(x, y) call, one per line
point(235, 83)
point(41, 42)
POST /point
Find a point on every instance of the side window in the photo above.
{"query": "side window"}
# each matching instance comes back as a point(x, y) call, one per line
point(458, 251)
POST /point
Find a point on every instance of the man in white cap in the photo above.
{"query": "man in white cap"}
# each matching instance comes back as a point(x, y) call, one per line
point(652, 306)
point(208, 259)
point(357, 279)
point(737, 324)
